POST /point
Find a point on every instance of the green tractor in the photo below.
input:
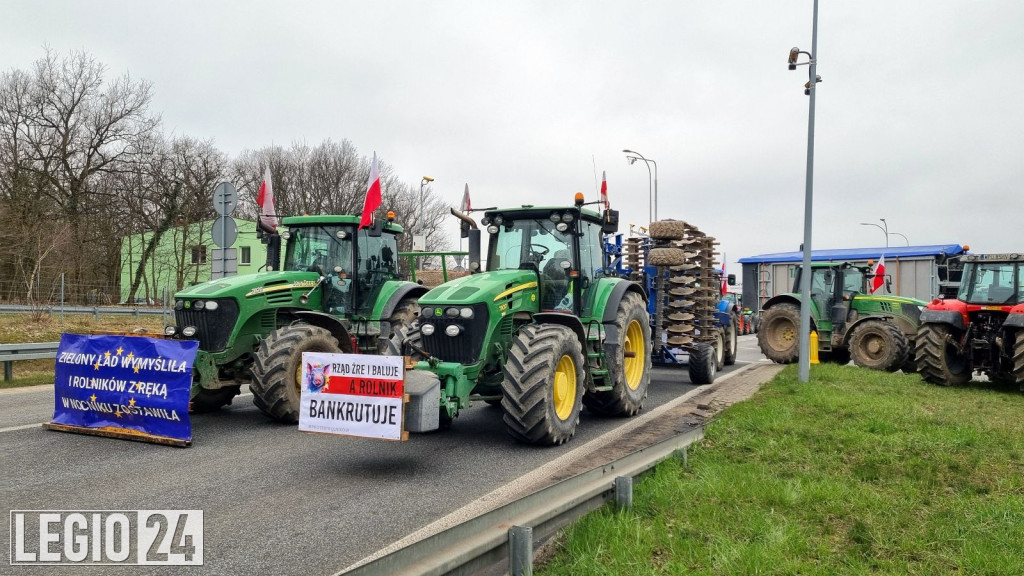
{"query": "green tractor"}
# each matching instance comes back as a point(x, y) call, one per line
point(541, 333)
point(875, 331)
point(338, 291)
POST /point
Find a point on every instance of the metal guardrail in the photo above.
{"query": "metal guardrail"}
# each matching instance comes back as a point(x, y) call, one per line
point(10, 353)
point(485, 540)
point(94, 310)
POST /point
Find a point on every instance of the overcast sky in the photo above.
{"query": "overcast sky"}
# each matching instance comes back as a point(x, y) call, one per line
point(919, 116)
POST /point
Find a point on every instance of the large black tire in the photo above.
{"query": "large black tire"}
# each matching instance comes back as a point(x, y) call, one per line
point(666, 257)
point(731, 340)
point(276, 377)
point(542, 393)
point(779, 333)
point(879, 345)
point(403, 316)
point(1018, 357)
point(937, 361)
point(211, 400)
point(701, 365)
point(719, 346)
point(667, 230)
point(629, 376)
point(395, 346)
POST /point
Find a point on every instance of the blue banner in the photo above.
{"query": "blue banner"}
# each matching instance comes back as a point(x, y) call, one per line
point(131, 382)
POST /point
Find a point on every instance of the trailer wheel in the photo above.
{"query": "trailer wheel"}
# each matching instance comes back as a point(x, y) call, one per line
point(938, 361)
point(395, 346)
point(731, 342)
point(628, 361)
point(543, 387)
point(277, 368)
point(666, 257)
point(211, 400)
point(701, 365)
point(403, 316)
point(667, 230)
point(778, 334)
point(879, 345)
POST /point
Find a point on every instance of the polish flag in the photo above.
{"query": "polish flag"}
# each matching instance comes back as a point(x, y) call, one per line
point(265, 200)
point(466, 206)
point(373, 199)
point(879, 273)
point(725, 280)
point(604, 189)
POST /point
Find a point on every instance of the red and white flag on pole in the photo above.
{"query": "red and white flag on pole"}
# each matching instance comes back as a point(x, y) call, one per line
point(879, 273)
point(604, 189)
point(373, 198)
point(466, 206)
point(725, 279)
point(265, 200)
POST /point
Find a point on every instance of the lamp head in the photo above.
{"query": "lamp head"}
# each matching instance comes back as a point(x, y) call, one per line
point(631, 159)
point(428, 179)
point(794, 52)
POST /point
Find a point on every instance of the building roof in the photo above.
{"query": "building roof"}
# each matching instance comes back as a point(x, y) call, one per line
point(858, 253)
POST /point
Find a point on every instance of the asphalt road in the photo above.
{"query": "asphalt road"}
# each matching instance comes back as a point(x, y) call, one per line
point(277, 501)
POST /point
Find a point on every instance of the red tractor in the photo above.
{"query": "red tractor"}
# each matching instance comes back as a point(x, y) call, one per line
point(981, 330)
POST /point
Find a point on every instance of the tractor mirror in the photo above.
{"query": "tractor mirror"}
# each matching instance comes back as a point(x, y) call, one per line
point(731, 279)
point(888, 284)
point(376, 229)
point(610, 222)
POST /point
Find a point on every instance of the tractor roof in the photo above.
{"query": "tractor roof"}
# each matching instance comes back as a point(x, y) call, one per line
point(336, 220)
point(1005, 257)
point(528, 211)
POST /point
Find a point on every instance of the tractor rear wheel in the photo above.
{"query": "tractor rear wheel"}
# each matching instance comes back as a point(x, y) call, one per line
point(277, 368)
point(701, 364)
point(937, 360)
point(628, 361)
point(403, 316)
point(211, 400)
point(1018, 357)
point(543, 387)
point(879, 345)
point(731, 342)
point(778, 335)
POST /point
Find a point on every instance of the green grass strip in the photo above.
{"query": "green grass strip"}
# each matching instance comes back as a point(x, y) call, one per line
point(856, 472)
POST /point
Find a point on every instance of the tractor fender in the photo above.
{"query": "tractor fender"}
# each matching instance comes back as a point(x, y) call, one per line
point(952, 317)
point(567, 320)
point(404, 290)
point(611, 307)
point(330, 323)
point(1014, 320)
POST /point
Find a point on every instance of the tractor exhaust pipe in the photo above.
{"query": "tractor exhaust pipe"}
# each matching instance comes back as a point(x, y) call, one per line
point(472, 231)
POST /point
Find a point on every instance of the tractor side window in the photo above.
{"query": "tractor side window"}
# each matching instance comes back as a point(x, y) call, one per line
point(1020, 283)
point(853, 281)
point(591, 258)
point(377, 263)
point(821, 288)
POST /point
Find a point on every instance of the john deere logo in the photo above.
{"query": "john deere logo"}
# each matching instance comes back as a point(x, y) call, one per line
point(437, 311)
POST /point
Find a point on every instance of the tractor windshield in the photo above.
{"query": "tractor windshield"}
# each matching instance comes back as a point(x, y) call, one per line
point(536, 244)
point(376, 265)
point(991, 283)
point(326, 250)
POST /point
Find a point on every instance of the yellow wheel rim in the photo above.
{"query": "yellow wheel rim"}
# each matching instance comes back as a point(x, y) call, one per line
point(565, 387)
point(634, 355)
point(298, 379)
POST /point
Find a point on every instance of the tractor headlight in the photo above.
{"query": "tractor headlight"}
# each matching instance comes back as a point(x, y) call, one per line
point(466, 313)
point(452, 312)
point(188, 331)
point(492, 229)
point(170, 330)
point(286, 235)
point(554, 217)
point(485, 220)
point(427, 329)
point(568, 217)
point(198, 304)
point(179, 304)
point(452, 330)
point(426, 311)
point(561, 227)
point(341, 234)
point(212, 305)
point(498, 220)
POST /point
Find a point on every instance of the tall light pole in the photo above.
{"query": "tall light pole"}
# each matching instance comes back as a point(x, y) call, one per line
point(638, 156)
point(905, 239)
point(423, 183)
point(805, 276)
point(884, 229)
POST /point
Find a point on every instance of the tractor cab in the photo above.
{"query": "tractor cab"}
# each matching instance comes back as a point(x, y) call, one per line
point(834, 287)
point(563, 246)
point(353, 264)
point(991, 282)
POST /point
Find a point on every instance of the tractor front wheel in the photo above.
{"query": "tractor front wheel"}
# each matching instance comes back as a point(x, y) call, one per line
point(396, 345)
point(211, 400)
point(938, 360)
point(778, 334)
point(628, 360)
point(277, 368)
point(543, 387)
point(879, 346)
point(403, 316)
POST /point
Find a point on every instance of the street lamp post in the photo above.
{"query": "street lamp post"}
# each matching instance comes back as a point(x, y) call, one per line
point(905, 239)
point(884, 229)
point(813, 79)
point(420, 225)
point(638, 156)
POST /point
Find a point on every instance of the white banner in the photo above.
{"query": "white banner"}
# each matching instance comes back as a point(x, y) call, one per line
point(353, 395)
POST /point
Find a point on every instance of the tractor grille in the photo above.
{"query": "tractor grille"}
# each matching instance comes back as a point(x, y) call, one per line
point(464, 348)
point(213, 327)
